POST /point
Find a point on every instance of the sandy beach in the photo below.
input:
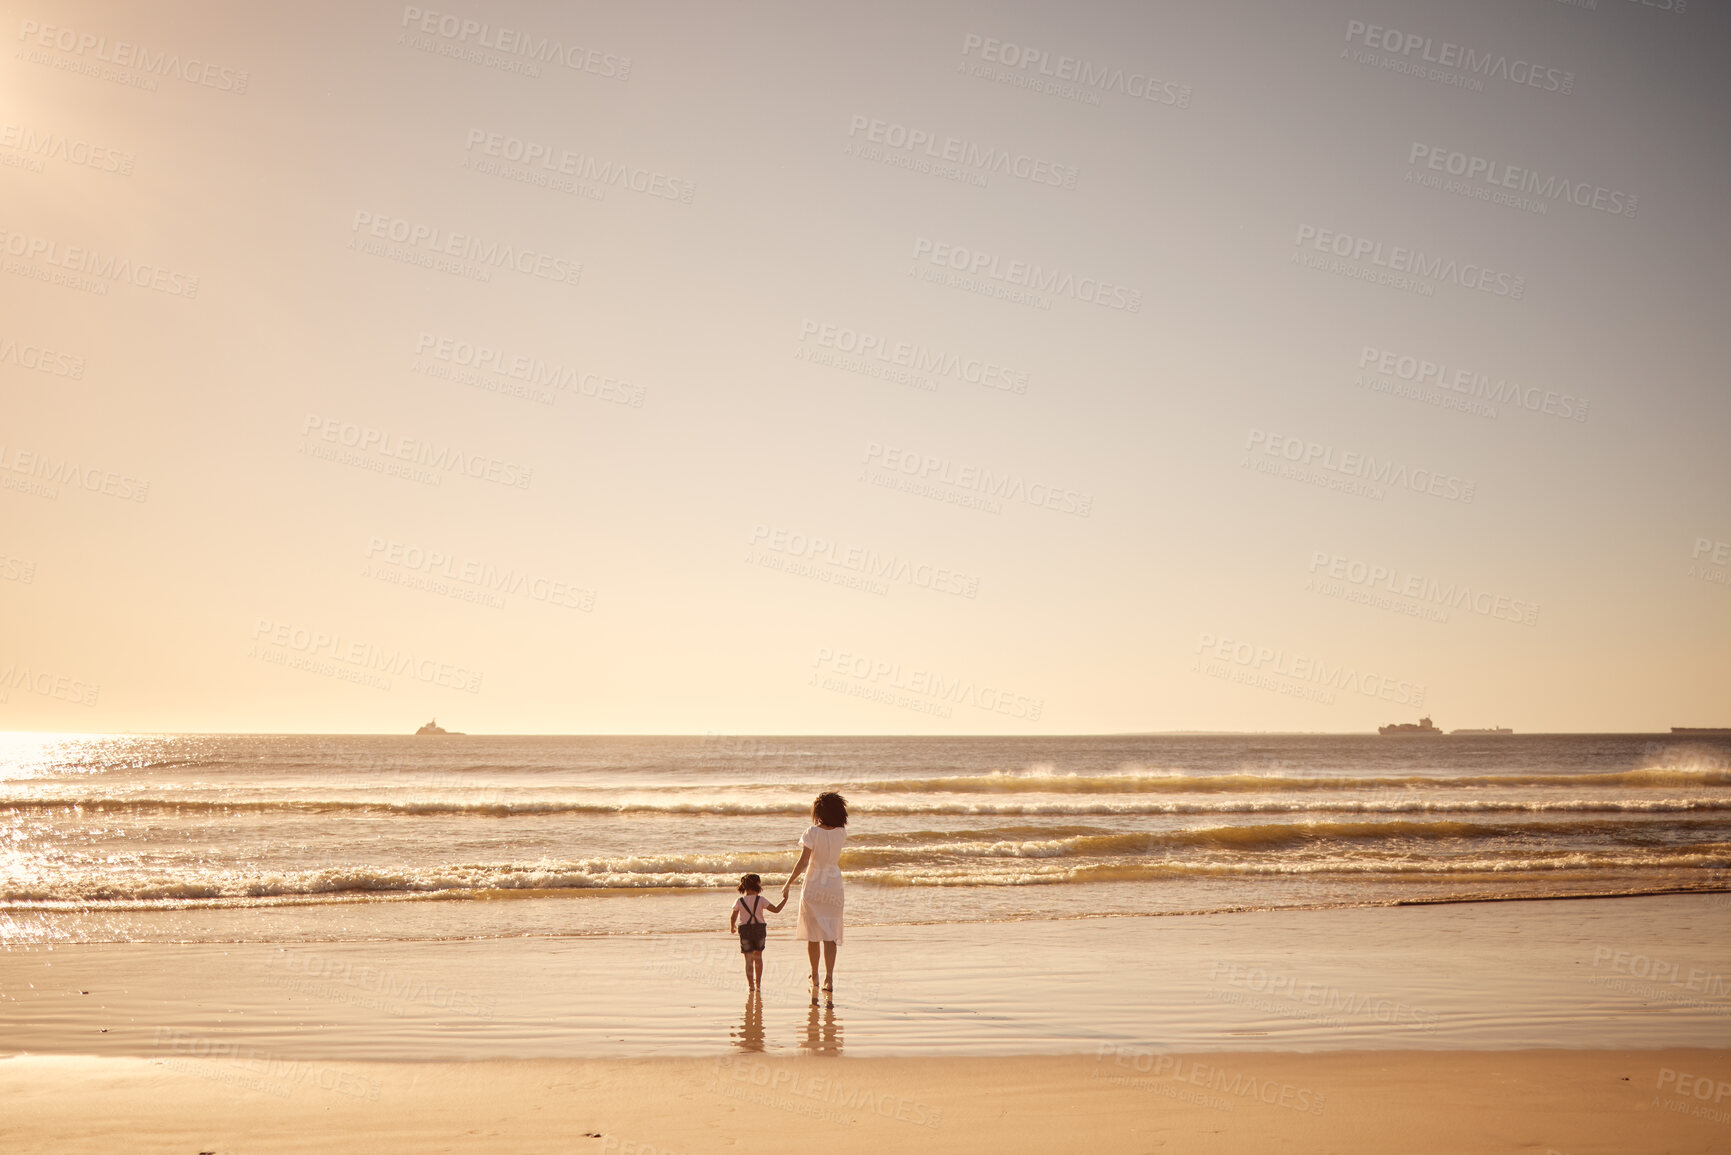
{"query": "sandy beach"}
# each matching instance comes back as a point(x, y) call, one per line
point(1566, 1026)
point(1568, 1102)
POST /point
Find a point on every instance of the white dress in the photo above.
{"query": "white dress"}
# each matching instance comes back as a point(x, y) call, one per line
point(821, 896)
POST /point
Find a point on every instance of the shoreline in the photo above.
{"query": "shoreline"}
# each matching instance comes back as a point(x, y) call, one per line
point(365, 898)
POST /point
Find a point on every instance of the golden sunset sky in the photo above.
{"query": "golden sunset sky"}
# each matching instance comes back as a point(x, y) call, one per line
point(770, 367)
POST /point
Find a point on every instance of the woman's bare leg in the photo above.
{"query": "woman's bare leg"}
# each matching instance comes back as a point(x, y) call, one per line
point(811, 950)
point(828, 965)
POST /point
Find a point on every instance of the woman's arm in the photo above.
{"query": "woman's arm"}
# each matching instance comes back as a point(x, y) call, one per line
point(798, 868)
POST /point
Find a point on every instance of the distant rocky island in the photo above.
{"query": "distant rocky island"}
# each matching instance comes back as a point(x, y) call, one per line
point(433, 727)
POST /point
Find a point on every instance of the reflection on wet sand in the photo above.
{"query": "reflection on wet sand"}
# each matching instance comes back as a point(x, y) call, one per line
point(748, 1036)
point(822, 1032)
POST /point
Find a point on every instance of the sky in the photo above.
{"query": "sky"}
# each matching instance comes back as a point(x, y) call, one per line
point(788, 368)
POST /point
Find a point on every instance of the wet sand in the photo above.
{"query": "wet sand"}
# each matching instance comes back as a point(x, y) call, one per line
point(1601, 1025)
point(1592, 974)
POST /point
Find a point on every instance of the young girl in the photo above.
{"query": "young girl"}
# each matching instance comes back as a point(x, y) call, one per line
point(822, 898)
point(747, 918)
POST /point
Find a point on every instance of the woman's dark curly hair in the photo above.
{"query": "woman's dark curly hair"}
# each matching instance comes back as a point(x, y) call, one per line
point(830, 809)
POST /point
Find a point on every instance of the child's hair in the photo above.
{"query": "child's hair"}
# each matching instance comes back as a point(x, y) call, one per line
point(830, 809)
point(750, 884)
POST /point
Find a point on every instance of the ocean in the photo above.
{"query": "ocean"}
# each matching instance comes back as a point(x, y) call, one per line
point(217, 838)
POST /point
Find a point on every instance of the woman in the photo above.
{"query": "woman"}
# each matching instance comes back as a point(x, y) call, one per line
point(821, 899)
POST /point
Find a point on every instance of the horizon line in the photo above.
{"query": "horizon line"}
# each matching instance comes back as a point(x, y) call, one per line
point(1469, 732)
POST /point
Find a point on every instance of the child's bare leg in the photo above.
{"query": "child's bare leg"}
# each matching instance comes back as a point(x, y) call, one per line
point(828, 965)
point(748, 979)
point(756, 970)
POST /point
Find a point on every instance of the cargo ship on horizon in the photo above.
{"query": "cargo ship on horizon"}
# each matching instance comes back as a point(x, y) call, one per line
point(1424, 726)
